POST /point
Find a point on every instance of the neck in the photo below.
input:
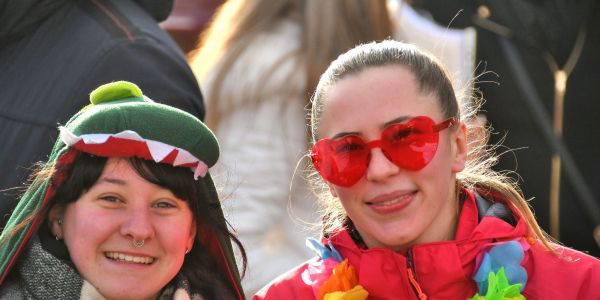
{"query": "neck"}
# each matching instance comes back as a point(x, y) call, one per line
point(443, 228)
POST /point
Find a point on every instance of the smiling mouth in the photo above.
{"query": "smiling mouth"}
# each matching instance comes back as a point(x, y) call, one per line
point(116, 256)
point(391, 201)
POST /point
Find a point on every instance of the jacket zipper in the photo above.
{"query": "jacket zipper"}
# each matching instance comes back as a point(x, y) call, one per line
point(410, 269)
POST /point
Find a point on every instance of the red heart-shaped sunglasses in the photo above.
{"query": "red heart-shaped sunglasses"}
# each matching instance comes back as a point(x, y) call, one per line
point(410, 145)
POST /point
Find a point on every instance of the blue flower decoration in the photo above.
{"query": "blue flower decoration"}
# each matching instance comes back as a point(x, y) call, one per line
point(508, 255)
point(323, 251)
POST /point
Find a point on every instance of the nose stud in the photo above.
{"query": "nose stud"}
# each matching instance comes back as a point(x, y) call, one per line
point(137, 243)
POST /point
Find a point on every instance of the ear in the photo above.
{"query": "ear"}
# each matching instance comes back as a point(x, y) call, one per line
point(459, 148)
point(332, 190)
point(55, 220)
point(192, 236)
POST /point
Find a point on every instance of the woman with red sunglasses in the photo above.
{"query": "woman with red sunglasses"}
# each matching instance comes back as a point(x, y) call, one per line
point(412, 209)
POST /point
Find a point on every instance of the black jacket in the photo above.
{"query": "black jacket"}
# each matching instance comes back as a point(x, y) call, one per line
point(53, 53)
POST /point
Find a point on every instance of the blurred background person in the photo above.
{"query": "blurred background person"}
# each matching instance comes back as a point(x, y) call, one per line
point(187, 20)
point(544, 55)
point(52, 53)
point(258, 64)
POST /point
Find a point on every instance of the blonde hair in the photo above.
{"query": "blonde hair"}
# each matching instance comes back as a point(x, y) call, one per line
point(328, 28)
point(433, 78)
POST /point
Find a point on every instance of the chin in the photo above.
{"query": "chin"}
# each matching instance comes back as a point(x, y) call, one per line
point(132, 296)
point(398, 244)
point(129, 293)
point(392, 242)
point(397, 239)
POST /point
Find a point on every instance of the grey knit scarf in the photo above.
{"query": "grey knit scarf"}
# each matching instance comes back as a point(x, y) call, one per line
point(40, 275)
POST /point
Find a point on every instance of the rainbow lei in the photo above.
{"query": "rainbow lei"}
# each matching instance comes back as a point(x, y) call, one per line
point(331, 277)
point(499, 273)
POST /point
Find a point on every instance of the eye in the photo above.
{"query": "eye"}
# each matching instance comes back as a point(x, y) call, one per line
point(110, 199)
point(347, 147)
point(403, 133)
point(400, 134)
point(348, 144)
point(164, 204)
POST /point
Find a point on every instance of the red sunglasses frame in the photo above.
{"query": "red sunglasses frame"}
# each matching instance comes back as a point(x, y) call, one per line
point(350, 172)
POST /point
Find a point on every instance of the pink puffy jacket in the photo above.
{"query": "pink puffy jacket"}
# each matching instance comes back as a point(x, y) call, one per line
point(444, 270)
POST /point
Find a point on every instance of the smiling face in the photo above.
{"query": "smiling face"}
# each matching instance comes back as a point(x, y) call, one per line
point(390, 206)
point(99, 227)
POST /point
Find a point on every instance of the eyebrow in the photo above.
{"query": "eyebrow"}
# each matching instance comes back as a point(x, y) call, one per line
point(386, 124)
point(396, 120)
point(345, 133)
point(113, 181)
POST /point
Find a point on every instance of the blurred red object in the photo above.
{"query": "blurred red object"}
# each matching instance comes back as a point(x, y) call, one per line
point(188, 19)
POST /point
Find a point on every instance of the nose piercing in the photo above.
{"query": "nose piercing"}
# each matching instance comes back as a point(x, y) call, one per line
point(137, 243)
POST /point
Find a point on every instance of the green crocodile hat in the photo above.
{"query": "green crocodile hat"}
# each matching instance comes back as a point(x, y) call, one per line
point(122, 122)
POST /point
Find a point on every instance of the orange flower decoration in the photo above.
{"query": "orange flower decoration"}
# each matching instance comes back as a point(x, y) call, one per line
point(357, 293)
point(343, 279)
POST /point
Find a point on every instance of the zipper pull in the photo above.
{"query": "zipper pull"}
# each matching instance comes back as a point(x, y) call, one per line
point(412, 278)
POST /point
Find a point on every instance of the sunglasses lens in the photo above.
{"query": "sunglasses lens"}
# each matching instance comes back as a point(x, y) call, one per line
point(411, 145)
point(341, 161)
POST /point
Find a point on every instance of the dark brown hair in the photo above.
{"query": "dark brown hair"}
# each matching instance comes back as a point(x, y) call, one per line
point(199, 267)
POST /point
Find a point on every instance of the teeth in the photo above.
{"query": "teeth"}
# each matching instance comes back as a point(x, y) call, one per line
point(390, 202)
point(130, 258)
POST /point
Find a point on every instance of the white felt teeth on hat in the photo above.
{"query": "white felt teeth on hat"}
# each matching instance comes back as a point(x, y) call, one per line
point(158, 150)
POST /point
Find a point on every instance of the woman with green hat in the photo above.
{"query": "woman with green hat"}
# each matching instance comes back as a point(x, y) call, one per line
point(124, 209)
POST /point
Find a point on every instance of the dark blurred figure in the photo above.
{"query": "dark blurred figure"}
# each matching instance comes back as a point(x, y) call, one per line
point(52, 52)
point(555, 41)
point(188, 19)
